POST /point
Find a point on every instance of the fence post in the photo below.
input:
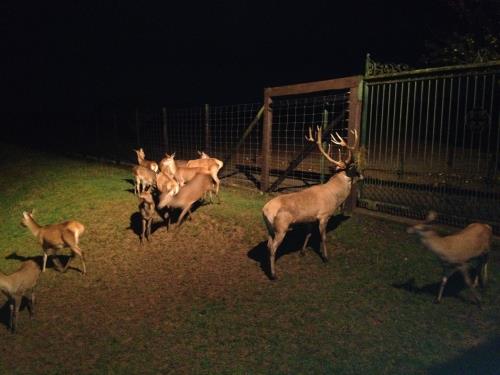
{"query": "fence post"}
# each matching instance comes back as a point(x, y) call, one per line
point(164, 129)
point(266, 141)
point(208, 136)
point(354, 123)
point(325, 145)
point(137, 127)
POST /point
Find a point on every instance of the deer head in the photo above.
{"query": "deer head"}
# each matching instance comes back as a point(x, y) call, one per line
point(425, 226)
point(348, 165)
point(203, 155)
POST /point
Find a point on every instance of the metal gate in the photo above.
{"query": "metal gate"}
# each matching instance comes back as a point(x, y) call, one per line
point(432, 139)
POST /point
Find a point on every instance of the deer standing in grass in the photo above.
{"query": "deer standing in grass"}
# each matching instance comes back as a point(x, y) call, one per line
point(317, 203)
point(54, 237)
point(141, 160)
point(147, 211)
point(457, 251)
point(18, 285)
point(144, 178)
point(193, 191)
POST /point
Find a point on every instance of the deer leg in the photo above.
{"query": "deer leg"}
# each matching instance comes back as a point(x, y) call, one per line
point(31, 303)
point(45, 256)
point(447, 272)
point(14, 312)
point(148, 235)
point(143, 230)
point(11, 318)
point(467, 279)
point(322, 232)
point(273, 244)
point(309, 230)
point(483, 271)
point(183, 213)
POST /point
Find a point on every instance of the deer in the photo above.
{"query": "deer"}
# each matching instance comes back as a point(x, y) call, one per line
point(164, 162)
point(212, 165)
point(54, 237)
point(190, 193)
point(166, 183)
point(147, 211)
point(141, 160)
point(183, 174)
point(17, 285)
point(144, 178)
point(316, 203)
point(457, 251)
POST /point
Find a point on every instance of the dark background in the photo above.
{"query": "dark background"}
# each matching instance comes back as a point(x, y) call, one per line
point(120, 54)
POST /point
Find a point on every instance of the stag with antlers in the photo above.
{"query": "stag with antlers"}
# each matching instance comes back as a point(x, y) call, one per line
point(317, 203)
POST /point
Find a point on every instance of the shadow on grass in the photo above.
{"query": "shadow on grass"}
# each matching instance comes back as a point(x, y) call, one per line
point(136, 224)
point(39, 260)
point(483, 359)
point(293, 242)
point(453, 288)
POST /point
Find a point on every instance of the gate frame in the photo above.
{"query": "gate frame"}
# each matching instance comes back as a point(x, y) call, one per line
point(352, 83)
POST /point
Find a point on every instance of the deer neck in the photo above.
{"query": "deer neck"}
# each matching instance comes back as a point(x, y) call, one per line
point(340, 182)
point(172, 168)
point(33, 226)
point(4, 285)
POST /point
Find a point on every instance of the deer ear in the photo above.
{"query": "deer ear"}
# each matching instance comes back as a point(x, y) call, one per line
point(173, 155)
point(199, 152)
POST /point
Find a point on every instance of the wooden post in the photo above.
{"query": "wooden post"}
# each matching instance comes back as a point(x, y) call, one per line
point(322, 167)
point(353, 124)
point(164, 129)
point(208, 139)
point(266, 141)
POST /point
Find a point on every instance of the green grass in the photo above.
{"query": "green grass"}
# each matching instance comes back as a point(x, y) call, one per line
point(198, 301)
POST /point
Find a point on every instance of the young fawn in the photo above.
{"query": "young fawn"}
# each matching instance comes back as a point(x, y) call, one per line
point(54, 237)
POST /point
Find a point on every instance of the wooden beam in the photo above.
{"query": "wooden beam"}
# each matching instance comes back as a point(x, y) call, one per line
point(309, 87)
point(354, 123)
point(266, 141)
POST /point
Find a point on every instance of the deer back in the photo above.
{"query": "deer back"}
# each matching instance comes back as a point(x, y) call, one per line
point(189, 193)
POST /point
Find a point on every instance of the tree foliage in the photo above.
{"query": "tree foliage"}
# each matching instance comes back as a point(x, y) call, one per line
point(471, 34)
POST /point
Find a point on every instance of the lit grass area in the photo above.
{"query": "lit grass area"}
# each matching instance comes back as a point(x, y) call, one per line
point(198, 301)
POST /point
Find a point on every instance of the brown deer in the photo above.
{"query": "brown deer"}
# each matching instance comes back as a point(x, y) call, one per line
point(164, 162)
point(166, 183)
point(18, 285)
point(183, 174)
point(54, 237)
point(144, 178)
point(141, 160)
point(212, 165)
point(147, 211)
point(193, 191)
point(317, 203)
point(457, 251)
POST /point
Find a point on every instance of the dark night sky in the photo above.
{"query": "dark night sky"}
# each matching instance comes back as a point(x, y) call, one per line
point(85, 55)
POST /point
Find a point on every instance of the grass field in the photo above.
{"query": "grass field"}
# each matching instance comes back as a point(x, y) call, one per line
point(199, 301)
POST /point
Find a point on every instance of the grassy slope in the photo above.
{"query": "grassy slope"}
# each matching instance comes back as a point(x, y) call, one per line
point(199, 302)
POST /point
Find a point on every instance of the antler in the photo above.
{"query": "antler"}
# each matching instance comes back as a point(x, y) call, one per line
point(340, 141)
point(319, 142)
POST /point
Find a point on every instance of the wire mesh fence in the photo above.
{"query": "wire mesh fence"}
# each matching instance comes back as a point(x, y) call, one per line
point(292, 118)
point(433, 141)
